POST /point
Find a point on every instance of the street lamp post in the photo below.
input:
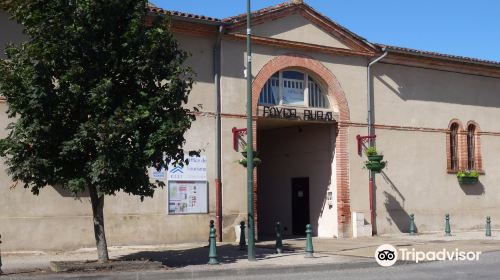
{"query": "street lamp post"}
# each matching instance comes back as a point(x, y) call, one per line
point(251, 221)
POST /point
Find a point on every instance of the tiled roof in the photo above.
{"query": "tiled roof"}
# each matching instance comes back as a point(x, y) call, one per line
point(241, 17)
point(285, 5)
point(157, 10)
point(438, 55)
point(288, 4)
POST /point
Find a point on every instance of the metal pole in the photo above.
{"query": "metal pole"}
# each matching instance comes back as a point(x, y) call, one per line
point(218, 159)
point(371, 177)
point(1, 272)
point(251, 222)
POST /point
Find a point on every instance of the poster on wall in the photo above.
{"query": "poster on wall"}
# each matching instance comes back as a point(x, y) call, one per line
point(196, 170)
point(187, 197)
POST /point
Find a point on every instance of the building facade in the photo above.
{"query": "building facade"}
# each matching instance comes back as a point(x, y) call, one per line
point(434, 115)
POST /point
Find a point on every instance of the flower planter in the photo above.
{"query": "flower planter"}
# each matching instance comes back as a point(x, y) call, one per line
point(256, 162)
point(377, 158)
point(245, 153)
point(375, 166)
point(467, 180)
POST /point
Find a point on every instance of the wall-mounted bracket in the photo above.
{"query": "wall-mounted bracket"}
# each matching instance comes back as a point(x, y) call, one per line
point(362, 141)
point(237, 134)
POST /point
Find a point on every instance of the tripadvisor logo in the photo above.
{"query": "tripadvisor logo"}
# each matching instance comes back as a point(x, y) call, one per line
point(387, 255)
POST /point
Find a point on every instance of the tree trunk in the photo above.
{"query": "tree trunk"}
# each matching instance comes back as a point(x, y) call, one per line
point(98, 216)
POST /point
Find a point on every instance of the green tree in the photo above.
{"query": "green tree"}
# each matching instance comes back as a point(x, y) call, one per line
point(97, 96)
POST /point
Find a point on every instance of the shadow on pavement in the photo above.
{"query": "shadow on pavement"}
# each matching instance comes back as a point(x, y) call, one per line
point(197, 256)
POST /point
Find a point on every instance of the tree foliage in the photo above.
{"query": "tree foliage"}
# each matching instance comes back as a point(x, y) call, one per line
point(96, 96)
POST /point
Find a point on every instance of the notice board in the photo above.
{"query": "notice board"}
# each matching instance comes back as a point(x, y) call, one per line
point(187, 197)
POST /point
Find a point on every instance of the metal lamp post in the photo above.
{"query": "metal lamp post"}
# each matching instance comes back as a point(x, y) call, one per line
point(251, 222)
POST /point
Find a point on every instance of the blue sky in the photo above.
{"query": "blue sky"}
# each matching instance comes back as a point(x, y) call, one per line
point(460, 27)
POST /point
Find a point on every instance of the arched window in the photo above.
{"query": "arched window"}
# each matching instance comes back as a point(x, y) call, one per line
point(471, 147)
point(453, 147)
point(293, 88)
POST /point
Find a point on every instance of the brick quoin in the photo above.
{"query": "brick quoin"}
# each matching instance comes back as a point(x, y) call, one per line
point(308, 64)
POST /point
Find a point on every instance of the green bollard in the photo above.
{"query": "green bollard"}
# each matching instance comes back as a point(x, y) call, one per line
point(309, 242)
point(488, 226)
point(412, 224)
point(212, 254)
point(243, 243)
point(1, 272)
point(279, 238)
point(212, 225)
point(447, 227)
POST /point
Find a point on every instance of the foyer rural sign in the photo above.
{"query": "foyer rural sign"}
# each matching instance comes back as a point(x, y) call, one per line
point(306, 114)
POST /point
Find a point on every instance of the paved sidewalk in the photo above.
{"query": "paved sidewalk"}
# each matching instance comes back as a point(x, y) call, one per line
point(185, 258)
point(366, 246)
point(192, 258)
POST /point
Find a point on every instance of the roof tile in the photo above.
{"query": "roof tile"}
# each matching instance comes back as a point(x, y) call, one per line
point(157, 10)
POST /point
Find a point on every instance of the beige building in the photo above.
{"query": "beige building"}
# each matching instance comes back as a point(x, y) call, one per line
point(434, 115)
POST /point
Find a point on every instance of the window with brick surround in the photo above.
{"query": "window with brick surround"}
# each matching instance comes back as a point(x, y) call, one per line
point(293, 88)
point(453, 148)
point(471, 147)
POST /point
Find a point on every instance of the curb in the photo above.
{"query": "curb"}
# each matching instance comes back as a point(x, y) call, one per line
point(209, 272)
point(264, 270)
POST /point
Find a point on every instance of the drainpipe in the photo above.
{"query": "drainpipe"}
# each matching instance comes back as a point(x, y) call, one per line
point(218, 162)
point(370, 133)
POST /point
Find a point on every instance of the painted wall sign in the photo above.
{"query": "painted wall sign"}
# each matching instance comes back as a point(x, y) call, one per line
point(187, 197)
point(294, 114)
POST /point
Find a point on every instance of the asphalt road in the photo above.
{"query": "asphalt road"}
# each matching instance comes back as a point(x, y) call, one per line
point(488, 267)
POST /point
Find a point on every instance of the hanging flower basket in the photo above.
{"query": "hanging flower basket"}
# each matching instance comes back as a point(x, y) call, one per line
point(374, 162)
point(377, 158)
point(256, 162)
point(375, 166)
point(468, 177)
point(468, 180)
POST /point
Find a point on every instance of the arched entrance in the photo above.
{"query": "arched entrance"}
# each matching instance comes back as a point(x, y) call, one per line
point(338, 191)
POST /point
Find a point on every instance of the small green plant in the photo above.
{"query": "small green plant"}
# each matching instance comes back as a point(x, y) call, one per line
point(256, 159)
point(371, 151)
point(374, 162)
point(468, 173)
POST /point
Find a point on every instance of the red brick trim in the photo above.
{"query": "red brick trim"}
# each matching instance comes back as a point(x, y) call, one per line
point(478, 159)
point(459, 144)
point(442, 65)
point(335, 31)
point(339, 101)
point(298, 45)
point(274, 13)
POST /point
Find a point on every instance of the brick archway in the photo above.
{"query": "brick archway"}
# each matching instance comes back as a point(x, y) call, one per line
point(339, 101)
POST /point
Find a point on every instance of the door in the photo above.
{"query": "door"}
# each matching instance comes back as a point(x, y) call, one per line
point(300, 205)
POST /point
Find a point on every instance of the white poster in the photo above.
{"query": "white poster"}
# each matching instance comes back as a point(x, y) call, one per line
point(187, 197)
point(293, 96)
point(196, 170)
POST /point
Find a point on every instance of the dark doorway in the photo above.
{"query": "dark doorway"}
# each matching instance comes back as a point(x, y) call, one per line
point(300, 205)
